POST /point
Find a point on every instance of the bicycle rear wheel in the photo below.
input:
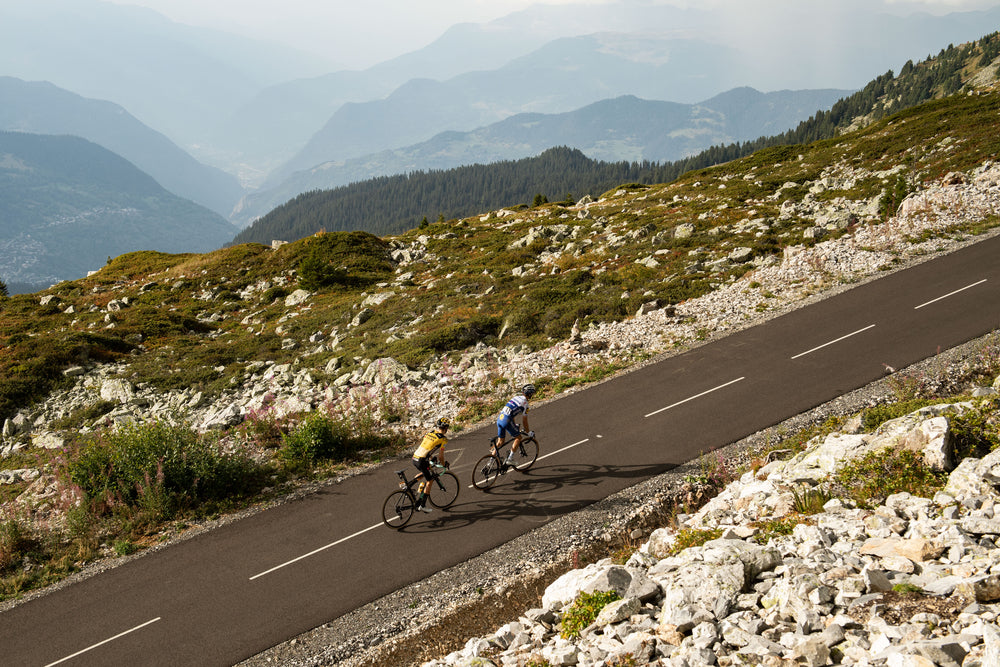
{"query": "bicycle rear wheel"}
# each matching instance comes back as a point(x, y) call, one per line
point(444, 490)
point(486, 472)
point(526, 455)
point(398, 508)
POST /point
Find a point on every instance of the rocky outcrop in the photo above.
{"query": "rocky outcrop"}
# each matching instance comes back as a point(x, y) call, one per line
point(913, 582)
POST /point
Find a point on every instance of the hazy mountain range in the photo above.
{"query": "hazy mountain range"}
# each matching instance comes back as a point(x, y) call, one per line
point(42, 108)
point(67, 205)
point(240, 125)
point(623, 128)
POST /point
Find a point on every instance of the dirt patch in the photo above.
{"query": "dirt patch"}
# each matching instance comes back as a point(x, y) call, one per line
point(897, 608)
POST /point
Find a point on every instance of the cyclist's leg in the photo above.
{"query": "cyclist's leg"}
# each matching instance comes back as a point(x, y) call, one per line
point(423, 465)
point(514, 431)
point(502, 427)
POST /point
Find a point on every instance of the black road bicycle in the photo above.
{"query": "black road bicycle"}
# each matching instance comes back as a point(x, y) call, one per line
point(398, 508)
point(494, 464)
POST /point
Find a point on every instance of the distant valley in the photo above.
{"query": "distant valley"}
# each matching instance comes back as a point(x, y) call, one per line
point(67, 206)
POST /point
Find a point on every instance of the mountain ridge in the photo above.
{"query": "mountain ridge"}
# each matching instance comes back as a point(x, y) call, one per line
point(613, 130)
point(67, 205)
point(42, 108)
point(944, 74)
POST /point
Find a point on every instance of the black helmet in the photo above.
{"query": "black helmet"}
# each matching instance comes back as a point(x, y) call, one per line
point(528, 390)
point(443, 423)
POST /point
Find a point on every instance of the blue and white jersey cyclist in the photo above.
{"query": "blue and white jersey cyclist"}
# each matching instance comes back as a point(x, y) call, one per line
point(516, 407)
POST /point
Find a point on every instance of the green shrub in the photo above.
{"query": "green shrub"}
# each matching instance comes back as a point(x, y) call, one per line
point(125, 547)
point(872, 418)
point(463, 334)
point(810, 501)
point(321, 436)
point(784, 525)
point(273, 293)
point(15, 543)
point(870, 479)
point(693, 537)
point(317, 436)
point(315, 273)
point(974, 433)
point(907, 588)
point(160, 469)
point(584, 611)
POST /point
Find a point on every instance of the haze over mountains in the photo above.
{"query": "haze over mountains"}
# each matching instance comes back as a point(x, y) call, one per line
point(67, 205)
point(239, 126)
point(623, 128)
point(42, 108)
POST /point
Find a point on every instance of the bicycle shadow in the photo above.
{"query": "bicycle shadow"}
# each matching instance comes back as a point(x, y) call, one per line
point(508, 502)
point(558, 476)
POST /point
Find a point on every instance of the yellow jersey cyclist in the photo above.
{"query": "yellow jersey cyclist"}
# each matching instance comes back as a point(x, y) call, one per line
point(516, 407)
point(432, 444)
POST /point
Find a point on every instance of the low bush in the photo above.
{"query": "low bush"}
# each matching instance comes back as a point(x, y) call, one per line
point(873, 417)
point(320, 436)
point(317, 436)
point(160, 469)
point(15, 543)
point(693, 537)
point(870, 479)
point(974, 433)
point(785, 525)
point(584, 611)
point(462, 334)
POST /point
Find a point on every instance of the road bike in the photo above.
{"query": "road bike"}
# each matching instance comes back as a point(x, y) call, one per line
point(399, 506)
point(493, 465)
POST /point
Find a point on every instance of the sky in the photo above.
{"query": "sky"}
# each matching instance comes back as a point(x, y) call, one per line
point(360, 33)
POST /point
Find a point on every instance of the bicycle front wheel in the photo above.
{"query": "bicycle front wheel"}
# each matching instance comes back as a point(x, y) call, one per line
point(486, 472)
point(526, 455)
point(444, 490)
point(398, 508)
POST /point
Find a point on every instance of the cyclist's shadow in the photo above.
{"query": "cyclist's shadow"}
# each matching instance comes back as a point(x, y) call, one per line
point(545, 479)
point(506, 501)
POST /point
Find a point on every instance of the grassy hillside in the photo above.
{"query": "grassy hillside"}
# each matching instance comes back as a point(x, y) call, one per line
point(528, 274)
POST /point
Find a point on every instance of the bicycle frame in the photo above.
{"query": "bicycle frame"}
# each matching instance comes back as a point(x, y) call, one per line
point(408, 484)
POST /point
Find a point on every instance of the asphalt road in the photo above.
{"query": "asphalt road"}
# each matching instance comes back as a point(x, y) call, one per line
point(226, 595)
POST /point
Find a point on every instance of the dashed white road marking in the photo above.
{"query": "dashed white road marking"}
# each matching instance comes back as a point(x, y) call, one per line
point(316, 551)
point(565, 448)
point(109, 639)
point(950, 294)
point(553, 453)
point(691, 398)
point(820, 347)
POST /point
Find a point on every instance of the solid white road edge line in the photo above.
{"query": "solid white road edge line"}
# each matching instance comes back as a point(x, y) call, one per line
point(950, 294)
point(109, 639)
point(820, 347)
point(704, 393)
point(316, 551)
